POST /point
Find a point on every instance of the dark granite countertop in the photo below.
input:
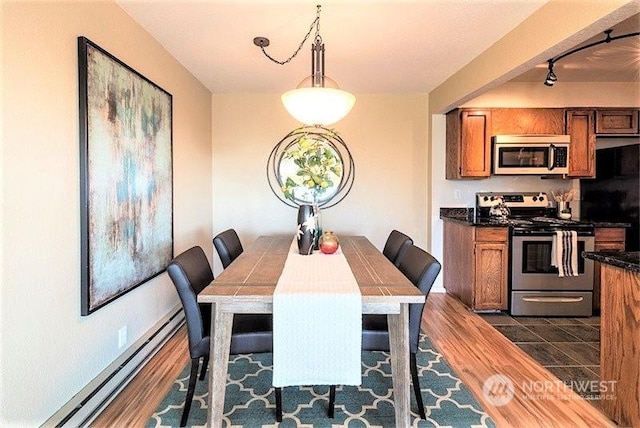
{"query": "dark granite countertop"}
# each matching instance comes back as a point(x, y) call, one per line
point(609, 224)
point(467, 216)
point(628, 260)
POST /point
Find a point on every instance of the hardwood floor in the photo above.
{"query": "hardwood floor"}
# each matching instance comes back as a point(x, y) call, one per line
point(139, 399)
point(473, 349)
point(476, 351)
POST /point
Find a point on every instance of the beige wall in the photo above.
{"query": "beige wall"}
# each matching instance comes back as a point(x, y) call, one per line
point(387, 136)
point(48, 352)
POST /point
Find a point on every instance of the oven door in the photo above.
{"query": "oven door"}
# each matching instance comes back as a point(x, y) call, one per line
point(531, 265)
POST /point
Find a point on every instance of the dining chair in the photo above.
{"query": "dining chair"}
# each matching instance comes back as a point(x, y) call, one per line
point(251, 333)
point(228, 246)
point(422, 269)
point(395, 247)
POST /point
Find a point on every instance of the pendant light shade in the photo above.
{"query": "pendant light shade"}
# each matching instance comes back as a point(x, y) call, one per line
point(318, 105)
point(317, 100)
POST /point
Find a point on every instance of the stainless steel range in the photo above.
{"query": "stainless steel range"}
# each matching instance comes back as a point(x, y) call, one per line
point(535, 286)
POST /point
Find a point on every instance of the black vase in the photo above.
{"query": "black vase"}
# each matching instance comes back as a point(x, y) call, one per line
point(305, 233)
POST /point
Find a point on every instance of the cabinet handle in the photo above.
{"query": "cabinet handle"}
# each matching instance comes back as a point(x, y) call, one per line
point(553, 299)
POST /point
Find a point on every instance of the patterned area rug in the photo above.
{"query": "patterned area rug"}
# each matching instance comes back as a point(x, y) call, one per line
point(250, 401)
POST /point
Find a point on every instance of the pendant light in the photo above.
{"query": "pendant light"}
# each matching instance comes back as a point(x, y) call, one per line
point(317, 100)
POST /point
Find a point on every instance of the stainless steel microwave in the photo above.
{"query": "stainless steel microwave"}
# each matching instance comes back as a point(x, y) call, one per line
point(530, 154)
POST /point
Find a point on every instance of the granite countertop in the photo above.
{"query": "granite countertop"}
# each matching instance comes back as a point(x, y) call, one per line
point(628, 260)
point(467, 216)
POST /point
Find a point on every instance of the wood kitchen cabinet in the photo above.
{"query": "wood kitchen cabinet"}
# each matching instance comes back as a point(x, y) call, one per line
point(475, 264)
point(606, 239)
point(520, 121)
point(468, 144)
point(617, 122)
point(469, 132)
point(582, 152)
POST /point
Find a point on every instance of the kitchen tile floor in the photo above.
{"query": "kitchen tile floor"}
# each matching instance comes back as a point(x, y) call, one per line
point(567, 347)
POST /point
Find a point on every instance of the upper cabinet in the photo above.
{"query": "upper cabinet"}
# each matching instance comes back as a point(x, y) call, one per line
point(582, 149)
point(617, 122)
point(518, 121)
point(469, 132)
point(468, 144)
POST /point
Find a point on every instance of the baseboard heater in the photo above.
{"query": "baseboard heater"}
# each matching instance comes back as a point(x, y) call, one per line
point(87, 404)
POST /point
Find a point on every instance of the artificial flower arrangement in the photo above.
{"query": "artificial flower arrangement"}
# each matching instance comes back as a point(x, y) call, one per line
point(318, 169)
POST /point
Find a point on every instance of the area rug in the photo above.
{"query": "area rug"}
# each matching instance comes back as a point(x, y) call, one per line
point(250, 400)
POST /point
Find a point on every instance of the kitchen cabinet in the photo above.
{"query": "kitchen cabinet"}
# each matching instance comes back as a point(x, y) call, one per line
point(468, 144)
point(620, 344)
point(475, 265)
point(582, 151)
point(606, 239)
point(519, 121)
point(617, 122)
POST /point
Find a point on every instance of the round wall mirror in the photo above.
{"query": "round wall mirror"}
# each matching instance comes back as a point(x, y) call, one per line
point(311, 165)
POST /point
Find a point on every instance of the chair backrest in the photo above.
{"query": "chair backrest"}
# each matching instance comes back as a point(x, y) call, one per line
point(191, 273)
point(228, 246)
point(422, 269)
point(395, 247)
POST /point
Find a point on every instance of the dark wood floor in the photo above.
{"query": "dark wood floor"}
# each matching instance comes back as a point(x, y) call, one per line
point(474, 350)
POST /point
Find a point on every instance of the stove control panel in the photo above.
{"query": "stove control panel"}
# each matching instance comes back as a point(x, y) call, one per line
point(512, 199)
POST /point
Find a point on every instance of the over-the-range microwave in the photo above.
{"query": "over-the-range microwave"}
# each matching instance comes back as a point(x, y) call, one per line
point(530, 154)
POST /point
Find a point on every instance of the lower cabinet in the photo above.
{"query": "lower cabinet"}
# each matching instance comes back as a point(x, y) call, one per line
point(475, 265)
point(606, 239)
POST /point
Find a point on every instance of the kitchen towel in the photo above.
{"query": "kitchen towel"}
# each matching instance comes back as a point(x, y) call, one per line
point(317, 321)
point(564, 252)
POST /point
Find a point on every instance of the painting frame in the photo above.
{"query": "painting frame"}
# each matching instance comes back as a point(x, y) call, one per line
point(126, 177)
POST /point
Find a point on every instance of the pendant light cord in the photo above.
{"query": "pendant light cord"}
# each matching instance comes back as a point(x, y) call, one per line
point(263, 42)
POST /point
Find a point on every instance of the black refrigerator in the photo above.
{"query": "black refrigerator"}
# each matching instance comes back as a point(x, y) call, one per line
point(614, 195)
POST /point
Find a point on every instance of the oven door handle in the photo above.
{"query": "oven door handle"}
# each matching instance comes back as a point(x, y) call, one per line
point(553, 299)
point(552, 157)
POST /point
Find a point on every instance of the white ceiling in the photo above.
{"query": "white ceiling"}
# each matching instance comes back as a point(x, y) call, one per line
point(380, 46)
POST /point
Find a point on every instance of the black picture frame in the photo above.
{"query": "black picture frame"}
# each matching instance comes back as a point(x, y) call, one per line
point(126, 177)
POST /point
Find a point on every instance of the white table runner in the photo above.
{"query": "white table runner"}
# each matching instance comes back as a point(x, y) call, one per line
point(317, 322)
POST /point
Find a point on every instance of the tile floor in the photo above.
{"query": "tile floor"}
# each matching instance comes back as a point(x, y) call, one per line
point(567, 347)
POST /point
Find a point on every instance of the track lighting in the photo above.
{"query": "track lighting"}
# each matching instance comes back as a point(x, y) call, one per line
point(551, 76)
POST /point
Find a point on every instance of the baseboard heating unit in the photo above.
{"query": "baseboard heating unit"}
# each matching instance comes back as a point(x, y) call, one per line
point(87, 404)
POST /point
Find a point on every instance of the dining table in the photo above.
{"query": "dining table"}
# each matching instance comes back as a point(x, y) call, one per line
point(247, 286)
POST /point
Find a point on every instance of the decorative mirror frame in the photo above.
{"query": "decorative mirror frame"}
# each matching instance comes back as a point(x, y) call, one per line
point(329, 139)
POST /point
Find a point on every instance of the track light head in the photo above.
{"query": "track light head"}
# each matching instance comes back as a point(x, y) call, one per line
point(551, 76)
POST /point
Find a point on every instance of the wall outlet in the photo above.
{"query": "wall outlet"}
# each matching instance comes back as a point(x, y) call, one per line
point(122, 337)
point(456, 194)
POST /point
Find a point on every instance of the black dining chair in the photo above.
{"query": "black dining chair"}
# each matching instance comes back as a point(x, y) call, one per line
point(395, 247)
point(422, 269)
point(251, 333)
point(228, 246)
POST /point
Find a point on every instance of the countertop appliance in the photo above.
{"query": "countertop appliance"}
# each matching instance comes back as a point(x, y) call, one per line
point(535, 287)
point(530, 154)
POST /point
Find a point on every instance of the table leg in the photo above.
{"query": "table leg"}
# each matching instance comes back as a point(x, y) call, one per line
point(221, 325)
point(399, 343)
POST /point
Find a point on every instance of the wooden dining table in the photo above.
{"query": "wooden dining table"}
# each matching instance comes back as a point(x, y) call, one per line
point(247, 286)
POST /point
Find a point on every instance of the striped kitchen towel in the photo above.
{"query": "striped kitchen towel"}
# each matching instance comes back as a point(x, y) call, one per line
point(564, 252)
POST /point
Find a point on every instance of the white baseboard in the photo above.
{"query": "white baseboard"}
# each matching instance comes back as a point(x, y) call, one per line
point(87, 404)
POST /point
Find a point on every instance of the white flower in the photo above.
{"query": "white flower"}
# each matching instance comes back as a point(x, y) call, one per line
point(299, 232)
point(310, 224)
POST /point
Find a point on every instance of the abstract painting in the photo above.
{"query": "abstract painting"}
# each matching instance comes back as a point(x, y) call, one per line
point(126, 190)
